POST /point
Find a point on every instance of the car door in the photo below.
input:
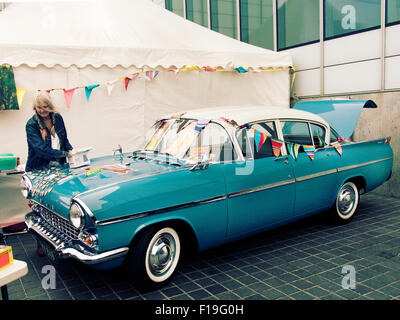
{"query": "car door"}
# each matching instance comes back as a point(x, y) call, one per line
point(315, 172)
point(260, 190)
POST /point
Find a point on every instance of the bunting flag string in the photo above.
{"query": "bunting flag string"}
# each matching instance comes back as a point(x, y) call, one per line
point(310, 150)
point(147, 75)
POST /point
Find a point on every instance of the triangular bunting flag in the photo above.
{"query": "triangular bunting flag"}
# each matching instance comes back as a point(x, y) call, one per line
point(150, 75)
point(276, 146)
point(129, 78)
point(293, 149)
point(201, 124)
point(259, 139)
point(68, 96)
point(241, 70)
point(209, 69)
point(338, 147)
point(20, 96)
point(110, 86)
point(310, 150)
point(88, 90)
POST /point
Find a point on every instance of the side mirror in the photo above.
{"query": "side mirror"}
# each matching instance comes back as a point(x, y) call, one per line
point(119, 151)
point(200, 165)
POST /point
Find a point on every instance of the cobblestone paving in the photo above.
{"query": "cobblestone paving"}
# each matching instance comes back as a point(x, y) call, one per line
point(302, 261)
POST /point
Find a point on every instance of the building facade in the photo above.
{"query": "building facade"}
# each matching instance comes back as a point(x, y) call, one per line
point(341, 49)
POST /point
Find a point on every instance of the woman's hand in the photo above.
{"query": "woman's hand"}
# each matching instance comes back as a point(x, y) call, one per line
point(71, 153)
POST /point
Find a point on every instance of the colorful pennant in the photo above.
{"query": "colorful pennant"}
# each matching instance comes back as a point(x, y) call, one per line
point(338, 147)
point(88, 90)
point(241, 70)
point(259, 139)
point(276, 146)
point(20, 96)
point(310, 150)
point(293, 149)
point(150, 75)
point(68, 96)
point(201, 124)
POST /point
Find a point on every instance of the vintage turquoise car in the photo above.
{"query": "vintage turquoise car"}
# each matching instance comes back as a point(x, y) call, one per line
point(202, 179)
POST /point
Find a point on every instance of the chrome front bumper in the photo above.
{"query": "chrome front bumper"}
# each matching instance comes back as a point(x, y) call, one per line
point(63, 246)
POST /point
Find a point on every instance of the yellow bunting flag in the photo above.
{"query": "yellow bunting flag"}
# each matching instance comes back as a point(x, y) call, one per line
point(20, 96)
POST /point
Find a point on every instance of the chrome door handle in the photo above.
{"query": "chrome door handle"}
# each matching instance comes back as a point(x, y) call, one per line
point(286, 158)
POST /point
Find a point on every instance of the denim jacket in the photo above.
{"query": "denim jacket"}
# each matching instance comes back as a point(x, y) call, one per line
point(40, 152)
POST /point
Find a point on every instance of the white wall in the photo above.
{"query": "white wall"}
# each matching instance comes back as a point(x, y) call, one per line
point(352, 64)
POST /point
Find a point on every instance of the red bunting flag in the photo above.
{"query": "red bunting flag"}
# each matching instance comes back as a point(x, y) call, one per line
point(276, 146)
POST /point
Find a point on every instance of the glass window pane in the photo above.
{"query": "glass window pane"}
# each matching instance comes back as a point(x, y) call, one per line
point(296, 132)
point(196, 11)
point(298, 22)
point(269, 131)
point(348, 16)
point(392, 11)
point(223, 17)
point(318, 133)
point(256, 23)
point(176, 6)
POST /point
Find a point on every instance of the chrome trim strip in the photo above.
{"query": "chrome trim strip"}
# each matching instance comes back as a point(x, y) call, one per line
point(159, 211)
point(85, 208)
point(262, 188)
point(363, 164)
point(316, 175)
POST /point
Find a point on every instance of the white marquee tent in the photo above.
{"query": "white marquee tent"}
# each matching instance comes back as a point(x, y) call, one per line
point(73, 45)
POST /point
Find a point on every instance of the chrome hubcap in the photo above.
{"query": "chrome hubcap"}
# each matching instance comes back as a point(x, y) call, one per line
point(346, 200)
point(162, 254)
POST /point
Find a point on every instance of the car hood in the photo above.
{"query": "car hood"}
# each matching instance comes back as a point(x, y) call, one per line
point(54, 188)
point(342, 115)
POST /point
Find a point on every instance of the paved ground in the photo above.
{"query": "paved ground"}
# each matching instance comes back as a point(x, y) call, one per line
point(13, 206)
point(302, 261)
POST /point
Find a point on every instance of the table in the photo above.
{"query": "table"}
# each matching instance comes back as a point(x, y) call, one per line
point(13, 272)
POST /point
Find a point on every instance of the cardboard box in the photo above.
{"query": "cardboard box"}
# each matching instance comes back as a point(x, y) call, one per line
point(6, 256)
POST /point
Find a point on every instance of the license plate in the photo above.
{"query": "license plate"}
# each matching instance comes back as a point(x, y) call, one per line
point(48, 250)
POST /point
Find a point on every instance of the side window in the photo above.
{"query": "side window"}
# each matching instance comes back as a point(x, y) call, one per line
point(260, 135)
point(296, 132)
point(334, 136)
point(212, 143)
point(318, 133)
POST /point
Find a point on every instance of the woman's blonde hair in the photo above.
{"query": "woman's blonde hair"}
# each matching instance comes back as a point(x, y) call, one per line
point(45, 97)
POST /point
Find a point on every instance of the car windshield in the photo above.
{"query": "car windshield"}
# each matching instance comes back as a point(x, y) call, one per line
point(190, 140)
point(171, 137)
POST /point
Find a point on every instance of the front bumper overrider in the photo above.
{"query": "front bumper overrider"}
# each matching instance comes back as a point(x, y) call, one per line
point(63, 246)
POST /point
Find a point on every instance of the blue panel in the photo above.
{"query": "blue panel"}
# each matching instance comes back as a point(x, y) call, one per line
point(342, 115)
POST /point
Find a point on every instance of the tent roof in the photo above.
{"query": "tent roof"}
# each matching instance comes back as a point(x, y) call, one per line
point(129, 33)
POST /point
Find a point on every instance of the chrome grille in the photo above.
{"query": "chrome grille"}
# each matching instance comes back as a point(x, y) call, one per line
point(61, 224)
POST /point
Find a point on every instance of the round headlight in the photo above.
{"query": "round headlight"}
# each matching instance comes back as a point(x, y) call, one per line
point(26, 186)
point(77, 216)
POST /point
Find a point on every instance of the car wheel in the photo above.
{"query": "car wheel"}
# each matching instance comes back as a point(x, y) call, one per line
point(346, 203)
point(153, 258)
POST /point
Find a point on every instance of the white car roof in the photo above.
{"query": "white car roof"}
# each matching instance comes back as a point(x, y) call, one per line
point(248, 114)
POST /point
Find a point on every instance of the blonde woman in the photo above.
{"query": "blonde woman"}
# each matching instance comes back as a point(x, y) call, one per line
point(46, 135)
